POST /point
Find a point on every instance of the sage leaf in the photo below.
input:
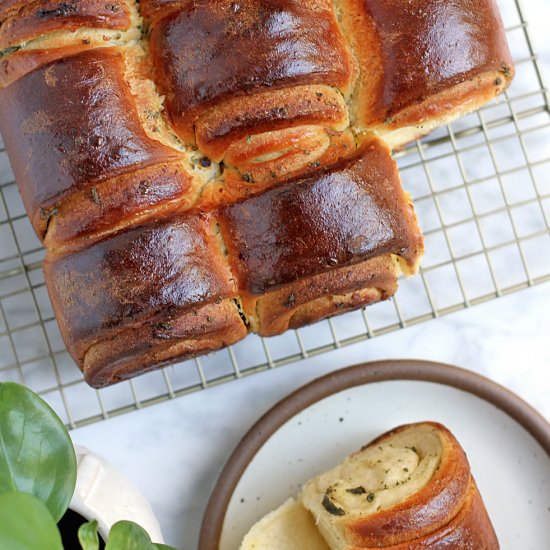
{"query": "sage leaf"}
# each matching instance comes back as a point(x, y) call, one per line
point(36, 452)
point(88, 536)
point(26, 524)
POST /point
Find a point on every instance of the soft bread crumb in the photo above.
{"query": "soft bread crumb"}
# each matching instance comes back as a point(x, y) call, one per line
point(290, 527)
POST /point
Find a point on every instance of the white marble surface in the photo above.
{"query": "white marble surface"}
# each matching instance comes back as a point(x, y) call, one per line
point(174, 451)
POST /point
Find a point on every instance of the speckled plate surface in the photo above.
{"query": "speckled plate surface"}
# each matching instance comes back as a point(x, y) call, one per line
point(507, 442)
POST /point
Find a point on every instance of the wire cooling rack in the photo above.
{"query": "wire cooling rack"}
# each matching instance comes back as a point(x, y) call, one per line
point(482, 193)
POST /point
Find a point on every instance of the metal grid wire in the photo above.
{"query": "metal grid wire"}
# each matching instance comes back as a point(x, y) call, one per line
point(482, 193)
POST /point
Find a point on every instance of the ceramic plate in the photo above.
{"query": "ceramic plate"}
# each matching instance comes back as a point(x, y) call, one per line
point(312, 430)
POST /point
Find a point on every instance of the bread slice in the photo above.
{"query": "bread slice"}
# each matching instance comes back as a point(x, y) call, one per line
point(404, 485)
point(409, 489)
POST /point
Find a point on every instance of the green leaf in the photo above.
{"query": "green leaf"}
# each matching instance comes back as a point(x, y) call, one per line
point(127, 535)
point(26, 524)
point(36, 452)
point(87, 535)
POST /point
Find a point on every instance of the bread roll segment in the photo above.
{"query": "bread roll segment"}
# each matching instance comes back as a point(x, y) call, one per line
point(208, 52)
point(423, 62)
point(329, 242)
point(232, 71)
point(92, 131)
point(404, 485)
point(314, 224)
point(409, 489)
point(144, 296)
point(37, 18)
point(33, 34)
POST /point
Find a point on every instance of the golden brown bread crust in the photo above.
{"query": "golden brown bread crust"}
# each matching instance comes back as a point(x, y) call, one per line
point(209, 52)
point(158, 343)
point(34, 19)
point(37, 33)
point(287, 95)
point(90, 133)
point(412, 54)
point(9, 7)
point(216, 130)
point(155, 9)
point(343, 216)
point(148, 274)
point(250, 167)
point(23, 62)
point(426, 511)
point(118, 202)
point(312, 299)
point(470, 529)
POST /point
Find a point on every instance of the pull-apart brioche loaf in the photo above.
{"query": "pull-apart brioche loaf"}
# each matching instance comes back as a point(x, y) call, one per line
point(225, 166)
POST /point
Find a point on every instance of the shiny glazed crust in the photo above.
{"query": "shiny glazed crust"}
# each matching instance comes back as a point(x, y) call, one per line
point(276, 44)
point(131, 301)
point(327, 220)
point(314, 298)
point(34, 19)
point(470, 528)
point(93, 134)
point(424, 62)
point(256, 124)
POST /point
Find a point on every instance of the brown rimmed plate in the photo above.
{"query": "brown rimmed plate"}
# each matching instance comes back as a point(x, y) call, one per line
point(314, 428)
